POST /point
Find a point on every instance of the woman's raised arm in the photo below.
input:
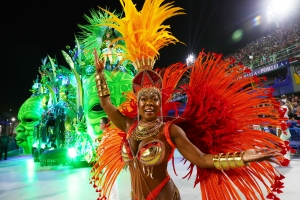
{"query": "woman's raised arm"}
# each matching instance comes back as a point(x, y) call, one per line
point(121, 121)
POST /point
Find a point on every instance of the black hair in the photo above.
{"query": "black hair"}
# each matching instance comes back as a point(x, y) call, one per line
point(105, 120)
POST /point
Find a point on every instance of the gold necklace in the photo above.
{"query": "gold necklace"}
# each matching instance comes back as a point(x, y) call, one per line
point(148, 129)
point(149, 124)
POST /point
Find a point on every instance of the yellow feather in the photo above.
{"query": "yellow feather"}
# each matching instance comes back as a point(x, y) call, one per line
point(143, 32)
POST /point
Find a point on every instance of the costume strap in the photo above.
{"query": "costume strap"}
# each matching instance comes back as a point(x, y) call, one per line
point(154, 193)
point(132, 127)
point(167, 134)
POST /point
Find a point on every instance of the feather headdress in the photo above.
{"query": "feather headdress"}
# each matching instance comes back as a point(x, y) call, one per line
point(91, 34)
point(142, 31)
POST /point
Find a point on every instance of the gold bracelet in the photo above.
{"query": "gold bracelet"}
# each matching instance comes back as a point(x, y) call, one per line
point(242, 157)
point(99, 76)
point(101, 84)
point(223, 161)
point(103, 93)
point(237, 156)
point(217, 163)
point(230, 160)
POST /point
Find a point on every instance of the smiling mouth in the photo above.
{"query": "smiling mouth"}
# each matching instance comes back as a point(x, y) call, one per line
point(149, 111)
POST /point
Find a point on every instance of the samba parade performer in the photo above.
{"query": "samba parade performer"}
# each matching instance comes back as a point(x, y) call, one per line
point(104, 40)
point(214, 133)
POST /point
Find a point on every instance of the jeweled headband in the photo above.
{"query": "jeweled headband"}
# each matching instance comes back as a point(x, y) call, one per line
point(148, 92)
point(147, 81)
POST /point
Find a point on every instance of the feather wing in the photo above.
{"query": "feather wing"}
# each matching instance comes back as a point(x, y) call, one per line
point(109, 162)
point(222, 107)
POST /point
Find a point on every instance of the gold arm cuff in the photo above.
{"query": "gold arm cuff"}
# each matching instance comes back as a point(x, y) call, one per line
point(230, 160)
point(217, 163)
point(102, 87)
point(99, 76)
point(223, 161)
point(245, 163)
point(238, 159)
point(103, 93)
point(101, 82)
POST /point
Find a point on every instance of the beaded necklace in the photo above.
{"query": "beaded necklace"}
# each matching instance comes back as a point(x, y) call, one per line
point(147, 129)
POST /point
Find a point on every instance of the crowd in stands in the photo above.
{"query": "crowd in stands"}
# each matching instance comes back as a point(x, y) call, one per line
point(271, 48)
point(279, 79)
point(293, 104)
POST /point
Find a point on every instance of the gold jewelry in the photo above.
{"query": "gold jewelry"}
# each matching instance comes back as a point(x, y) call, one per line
point(144, 130)
point(149, 124)
point(149, 92)
point(229, 161)
point(217, 163)
point(101, 85)
point(223, 161)
point(238, 159)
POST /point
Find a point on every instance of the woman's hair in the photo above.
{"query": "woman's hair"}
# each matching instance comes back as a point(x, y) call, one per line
point(283, 96)
point(290, 106)
point(111, 31)
point(282, 102)
point(105, 120)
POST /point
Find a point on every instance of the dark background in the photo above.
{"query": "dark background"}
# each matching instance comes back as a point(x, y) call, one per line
point(31, 30)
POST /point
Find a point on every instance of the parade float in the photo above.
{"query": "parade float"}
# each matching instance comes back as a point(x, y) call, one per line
point(60, 122)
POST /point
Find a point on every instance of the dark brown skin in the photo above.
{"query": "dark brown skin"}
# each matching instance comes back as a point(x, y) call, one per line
point(279, 133)
point(185, 147)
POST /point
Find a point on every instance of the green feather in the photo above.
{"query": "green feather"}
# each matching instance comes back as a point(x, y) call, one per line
point(91, 34)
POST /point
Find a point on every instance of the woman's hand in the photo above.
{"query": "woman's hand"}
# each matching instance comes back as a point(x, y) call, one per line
point(261, 154)
point(98, 63)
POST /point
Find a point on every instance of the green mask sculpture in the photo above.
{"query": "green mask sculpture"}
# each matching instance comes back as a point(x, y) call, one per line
point(118, 82)
point(29, 116)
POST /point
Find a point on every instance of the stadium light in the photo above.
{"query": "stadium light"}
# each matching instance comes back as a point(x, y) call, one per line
point(190, 60)
point(278, 9)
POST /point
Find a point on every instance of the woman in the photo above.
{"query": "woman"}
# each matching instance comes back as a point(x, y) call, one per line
point(146, 140)
point(150, 135)
point(109, 54)
point(284, 135)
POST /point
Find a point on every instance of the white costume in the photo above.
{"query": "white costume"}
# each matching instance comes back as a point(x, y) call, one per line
point(287, 134)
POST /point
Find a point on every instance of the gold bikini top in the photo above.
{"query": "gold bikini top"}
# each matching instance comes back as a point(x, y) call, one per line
point(149, 153)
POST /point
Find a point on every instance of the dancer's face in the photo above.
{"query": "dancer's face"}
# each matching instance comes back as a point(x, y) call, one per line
point(102, 125)
point(149, 104)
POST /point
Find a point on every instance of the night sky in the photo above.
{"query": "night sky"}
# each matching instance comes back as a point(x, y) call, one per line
point(31, 30)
